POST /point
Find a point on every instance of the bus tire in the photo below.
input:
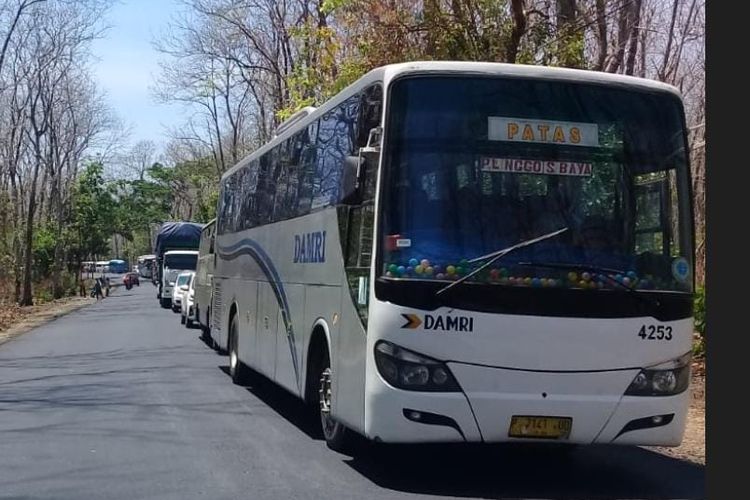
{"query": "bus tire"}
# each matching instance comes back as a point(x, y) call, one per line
point(237, 369)
point(205, 330)
point(337, 436)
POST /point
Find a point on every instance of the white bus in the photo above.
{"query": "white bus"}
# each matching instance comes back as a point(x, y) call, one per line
point(468, 252)
point(145, 265)
point(204, 276)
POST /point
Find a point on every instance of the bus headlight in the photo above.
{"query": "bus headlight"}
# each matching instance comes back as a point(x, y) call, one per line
point(665, 379)
point(410, 371)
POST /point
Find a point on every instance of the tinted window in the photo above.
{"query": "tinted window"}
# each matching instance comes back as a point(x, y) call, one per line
point(335, 141)
point(181, 261)
point(307, 171)
point(302, 174)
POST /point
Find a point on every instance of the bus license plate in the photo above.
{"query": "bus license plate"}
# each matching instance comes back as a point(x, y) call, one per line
point(540, 427)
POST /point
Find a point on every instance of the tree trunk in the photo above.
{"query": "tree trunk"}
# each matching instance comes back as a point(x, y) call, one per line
point(633, 49)
point(622, 38)
point(601, 23)
point(519, 28)
point(28, 299)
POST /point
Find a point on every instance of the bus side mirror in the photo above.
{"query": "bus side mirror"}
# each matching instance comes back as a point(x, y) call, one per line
point(358, 168)
point(350, 180)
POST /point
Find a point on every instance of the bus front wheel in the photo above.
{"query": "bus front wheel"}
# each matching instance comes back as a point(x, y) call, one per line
point(337, 436)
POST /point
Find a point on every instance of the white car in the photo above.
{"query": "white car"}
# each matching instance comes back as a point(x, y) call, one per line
point(188, 304)
point(180, 289)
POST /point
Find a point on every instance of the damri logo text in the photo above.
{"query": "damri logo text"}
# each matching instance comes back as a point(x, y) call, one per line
point(439, 322)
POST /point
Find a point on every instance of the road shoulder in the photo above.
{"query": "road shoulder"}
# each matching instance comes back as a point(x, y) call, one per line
point(24, 319)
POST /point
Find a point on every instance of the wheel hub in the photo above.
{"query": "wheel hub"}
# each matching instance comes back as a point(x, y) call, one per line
point(324, 397)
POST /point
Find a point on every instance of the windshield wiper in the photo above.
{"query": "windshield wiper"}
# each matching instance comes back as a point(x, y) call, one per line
point(495, 256)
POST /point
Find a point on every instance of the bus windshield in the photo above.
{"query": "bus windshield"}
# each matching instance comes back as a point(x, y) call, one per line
point(474, 165)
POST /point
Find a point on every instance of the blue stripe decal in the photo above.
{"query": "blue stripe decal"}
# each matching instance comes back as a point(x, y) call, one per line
point(251, 248)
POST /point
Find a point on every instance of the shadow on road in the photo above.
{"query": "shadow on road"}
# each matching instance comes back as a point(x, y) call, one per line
point(529, 471)
point(290, 407)
point(502, 471)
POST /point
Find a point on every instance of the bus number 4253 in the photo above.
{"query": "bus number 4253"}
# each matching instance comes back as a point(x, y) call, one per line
point(655, 332)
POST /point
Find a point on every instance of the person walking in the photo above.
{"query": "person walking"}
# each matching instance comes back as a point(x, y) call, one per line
point(97, 291)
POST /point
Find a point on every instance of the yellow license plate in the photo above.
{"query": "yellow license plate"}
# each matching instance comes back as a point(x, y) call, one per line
point(540, 427)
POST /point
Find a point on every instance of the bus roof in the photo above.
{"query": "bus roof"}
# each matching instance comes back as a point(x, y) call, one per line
point(389, 72)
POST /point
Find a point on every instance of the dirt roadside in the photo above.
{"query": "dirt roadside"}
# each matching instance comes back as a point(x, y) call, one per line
point(15, 321)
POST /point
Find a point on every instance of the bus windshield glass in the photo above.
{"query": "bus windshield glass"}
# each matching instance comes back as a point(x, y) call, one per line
point(181, 261)
point(474, 165)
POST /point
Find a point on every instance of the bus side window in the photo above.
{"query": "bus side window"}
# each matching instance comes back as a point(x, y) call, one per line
point(281, 180)
point(307, 172)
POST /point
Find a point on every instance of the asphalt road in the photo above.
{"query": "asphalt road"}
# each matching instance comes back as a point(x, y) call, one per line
point(120, 401)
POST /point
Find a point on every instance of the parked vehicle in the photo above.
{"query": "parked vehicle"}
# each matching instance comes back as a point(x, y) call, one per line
point(146, 265)
point(204, 278)
point(176, 249)
point(118, 266)
point(504, 254)
point(188, 304)
point(180, 289)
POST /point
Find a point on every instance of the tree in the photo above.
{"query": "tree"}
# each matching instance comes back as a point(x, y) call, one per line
point(93, 212)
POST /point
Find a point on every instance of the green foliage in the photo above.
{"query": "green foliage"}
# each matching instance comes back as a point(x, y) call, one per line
point(42, 294)
point(699, 314)
point(699, 311)
point(94, 211)
point(43, 248)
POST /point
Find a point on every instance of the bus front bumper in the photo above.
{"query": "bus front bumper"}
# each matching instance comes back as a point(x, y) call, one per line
point(493, 396)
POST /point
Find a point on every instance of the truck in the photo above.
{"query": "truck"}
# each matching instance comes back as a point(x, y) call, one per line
point(176, 249)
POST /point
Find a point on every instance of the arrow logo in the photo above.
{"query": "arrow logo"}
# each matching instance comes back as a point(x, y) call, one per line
point(412, 321)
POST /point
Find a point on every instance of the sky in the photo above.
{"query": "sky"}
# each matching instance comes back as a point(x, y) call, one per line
point(126, 64)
